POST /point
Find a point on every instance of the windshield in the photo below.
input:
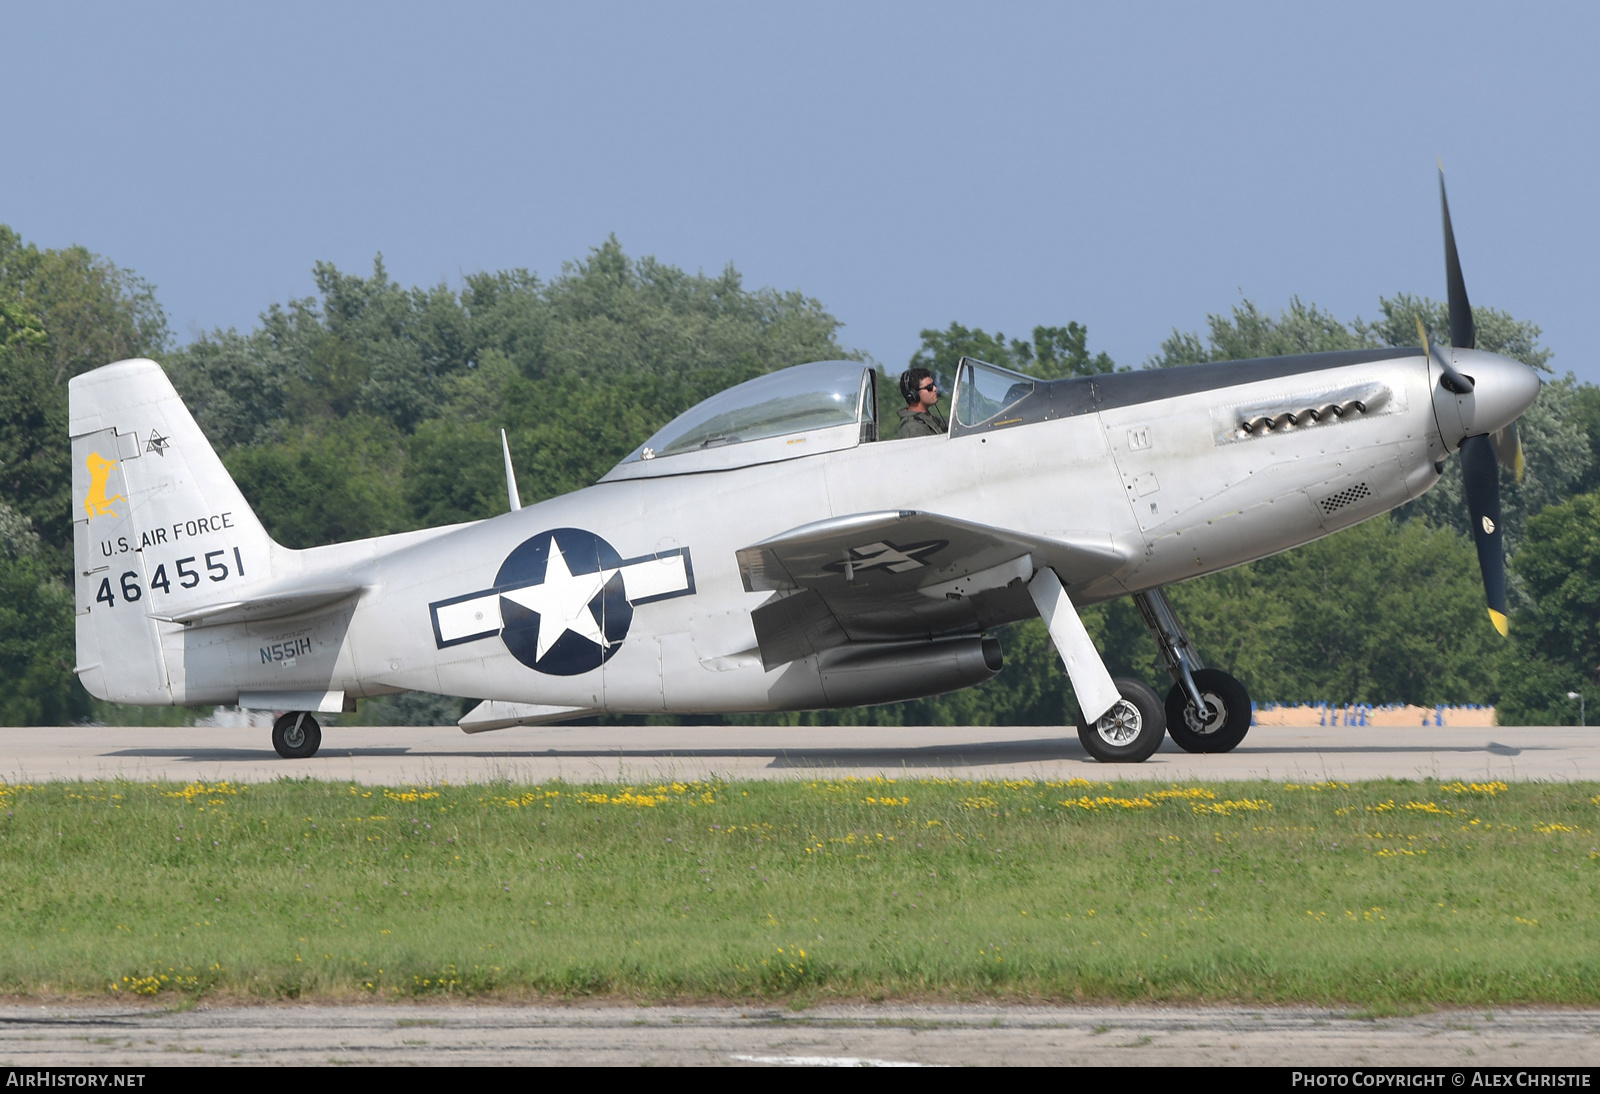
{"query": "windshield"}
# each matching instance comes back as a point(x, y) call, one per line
point(794, 400)
point(985, 391)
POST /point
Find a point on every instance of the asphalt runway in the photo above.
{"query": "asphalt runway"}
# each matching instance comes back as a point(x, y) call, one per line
point(832, 1036)
point(405, 755)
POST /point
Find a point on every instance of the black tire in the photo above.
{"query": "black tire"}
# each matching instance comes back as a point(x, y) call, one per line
point(296, 735)
point(1131, 730)
point(1229, 714)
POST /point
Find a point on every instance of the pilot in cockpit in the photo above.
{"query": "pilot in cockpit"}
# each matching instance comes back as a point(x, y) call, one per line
point(918, 418)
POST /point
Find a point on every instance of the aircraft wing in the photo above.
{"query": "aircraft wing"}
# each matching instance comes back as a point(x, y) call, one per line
point(902, 575)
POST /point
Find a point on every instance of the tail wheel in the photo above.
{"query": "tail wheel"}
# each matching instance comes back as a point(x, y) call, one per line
point(1226, 719)
point(296, 735)
point(1131, 730)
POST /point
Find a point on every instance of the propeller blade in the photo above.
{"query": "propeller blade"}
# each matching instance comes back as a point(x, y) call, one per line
point(1453, 381)
point(1463, 335)
point(1508, 449)
point(1481, 478)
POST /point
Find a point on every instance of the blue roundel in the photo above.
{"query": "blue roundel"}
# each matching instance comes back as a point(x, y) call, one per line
point(562, 603)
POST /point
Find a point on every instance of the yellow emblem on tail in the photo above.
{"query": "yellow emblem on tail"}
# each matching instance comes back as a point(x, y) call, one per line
point(96, 501)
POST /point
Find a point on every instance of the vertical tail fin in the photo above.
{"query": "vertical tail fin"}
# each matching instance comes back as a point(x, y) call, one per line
point(158, 527)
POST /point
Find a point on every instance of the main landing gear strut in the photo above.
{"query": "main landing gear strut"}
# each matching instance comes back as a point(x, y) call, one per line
point(1207, 710)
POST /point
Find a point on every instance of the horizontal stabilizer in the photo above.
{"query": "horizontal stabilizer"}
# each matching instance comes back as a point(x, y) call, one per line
point(266, 604)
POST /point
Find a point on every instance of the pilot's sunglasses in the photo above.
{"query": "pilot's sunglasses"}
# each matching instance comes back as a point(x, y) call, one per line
point(929, 387)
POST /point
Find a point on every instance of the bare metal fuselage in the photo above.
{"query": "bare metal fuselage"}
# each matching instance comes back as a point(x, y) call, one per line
point(1157, 471)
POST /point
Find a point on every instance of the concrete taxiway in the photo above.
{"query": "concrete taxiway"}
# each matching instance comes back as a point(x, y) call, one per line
point(412, 755)
point(829, 1036)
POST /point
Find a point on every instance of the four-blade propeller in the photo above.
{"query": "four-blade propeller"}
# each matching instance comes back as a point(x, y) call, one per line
point(1479, 454)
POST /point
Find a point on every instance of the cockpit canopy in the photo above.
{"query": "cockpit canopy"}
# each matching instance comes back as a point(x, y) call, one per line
point(799, 411)
point(988, 398)
point(984, 392)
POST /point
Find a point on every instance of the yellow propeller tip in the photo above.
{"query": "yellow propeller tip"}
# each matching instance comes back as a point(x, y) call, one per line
point(1499, 621)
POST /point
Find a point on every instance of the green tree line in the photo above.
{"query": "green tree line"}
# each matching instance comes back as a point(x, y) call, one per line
point(371, 408)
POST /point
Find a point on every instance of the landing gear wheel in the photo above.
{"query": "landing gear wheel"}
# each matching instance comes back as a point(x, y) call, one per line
point(1131, 730)
point(1227, 717)
point(296, 735)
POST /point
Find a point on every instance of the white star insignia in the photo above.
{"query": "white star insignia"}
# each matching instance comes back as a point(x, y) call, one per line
point(562, 602)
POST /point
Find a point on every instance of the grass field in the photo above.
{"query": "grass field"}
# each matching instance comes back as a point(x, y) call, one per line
point(1383, 894)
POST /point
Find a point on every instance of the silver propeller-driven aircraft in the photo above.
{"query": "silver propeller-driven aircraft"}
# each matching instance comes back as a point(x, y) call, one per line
point(767, 550)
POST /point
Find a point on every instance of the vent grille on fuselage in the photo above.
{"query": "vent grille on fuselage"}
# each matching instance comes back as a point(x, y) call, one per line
point(1348, 496)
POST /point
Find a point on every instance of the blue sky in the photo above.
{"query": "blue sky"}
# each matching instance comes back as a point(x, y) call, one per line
point(1132, 167)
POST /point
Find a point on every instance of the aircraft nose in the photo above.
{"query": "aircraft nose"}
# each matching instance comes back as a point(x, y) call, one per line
point(1503, 388)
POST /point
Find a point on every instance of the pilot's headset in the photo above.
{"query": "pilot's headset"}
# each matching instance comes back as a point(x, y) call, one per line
point(910, 382)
